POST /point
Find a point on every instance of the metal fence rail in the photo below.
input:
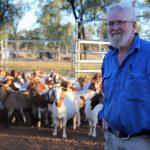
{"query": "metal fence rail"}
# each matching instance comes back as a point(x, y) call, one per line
point(72, 54)
point(77, 62)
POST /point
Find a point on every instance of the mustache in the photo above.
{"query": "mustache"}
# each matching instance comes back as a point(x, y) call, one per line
point(116, 33)
point(118, 39)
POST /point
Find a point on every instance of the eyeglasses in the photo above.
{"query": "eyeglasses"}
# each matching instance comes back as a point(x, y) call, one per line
point(118, 23)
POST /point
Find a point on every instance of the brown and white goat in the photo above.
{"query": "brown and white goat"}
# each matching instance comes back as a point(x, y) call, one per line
point(92, 107)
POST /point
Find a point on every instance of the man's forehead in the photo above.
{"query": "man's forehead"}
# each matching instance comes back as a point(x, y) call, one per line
point(116, 15)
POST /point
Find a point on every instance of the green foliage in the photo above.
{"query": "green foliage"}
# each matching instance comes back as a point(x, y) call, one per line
point(10, 14)
point(89, 10)
point(3, 33)
point(50, 23)
point(147, 1)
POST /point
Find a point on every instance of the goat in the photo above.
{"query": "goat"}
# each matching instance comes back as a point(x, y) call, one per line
point(15, 100)
point(40, 103)
point(64, 107)
point(92, 107)
point(3, 114)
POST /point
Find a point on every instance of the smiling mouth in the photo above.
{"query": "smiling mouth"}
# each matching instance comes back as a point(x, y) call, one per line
point(113, 34)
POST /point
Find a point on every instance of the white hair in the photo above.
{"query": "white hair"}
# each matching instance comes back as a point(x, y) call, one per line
point(120, 7)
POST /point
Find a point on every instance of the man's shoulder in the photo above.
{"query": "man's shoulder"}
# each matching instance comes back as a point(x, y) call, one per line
point(145, 47)
point(144, 42)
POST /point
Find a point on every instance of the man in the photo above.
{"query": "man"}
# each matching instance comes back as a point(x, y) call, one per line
point(126, 83)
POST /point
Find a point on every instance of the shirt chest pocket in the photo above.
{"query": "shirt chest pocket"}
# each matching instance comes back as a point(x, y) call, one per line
point(138, 88)
point(106, 81)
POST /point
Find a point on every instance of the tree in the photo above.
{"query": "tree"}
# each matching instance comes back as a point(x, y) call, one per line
point(51, 26)
point(87, 10)
point(147, 1)
point(50, 22)
point(8, 12)
point(147, 13)
point(143, 17)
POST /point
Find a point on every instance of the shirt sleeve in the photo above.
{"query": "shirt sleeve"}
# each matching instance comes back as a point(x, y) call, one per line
point(101, 112)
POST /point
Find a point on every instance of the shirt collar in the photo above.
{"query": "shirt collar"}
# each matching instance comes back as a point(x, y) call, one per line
point(135, 45)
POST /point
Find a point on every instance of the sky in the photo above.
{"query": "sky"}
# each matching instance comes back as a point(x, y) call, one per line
point(27, 23)
point(30, 18)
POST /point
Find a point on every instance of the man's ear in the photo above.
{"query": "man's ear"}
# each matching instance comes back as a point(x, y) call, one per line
point(134, 25)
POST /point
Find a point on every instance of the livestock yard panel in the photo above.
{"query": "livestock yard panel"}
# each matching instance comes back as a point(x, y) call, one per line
point(57, 56)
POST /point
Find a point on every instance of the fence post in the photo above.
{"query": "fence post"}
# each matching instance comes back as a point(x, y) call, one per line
point(6, 54)
point(1, 53)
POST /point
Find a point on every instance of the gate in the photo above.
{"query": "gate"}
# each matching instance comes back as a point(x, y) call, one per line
point(78, 62)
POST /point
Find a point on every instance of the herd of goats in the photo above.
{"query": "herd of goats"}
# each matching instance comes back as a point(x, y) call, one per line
point(50, 96)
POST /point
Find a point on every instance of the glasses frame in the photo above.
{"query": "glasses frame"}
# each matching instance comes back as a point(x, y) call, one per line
point(118, 23)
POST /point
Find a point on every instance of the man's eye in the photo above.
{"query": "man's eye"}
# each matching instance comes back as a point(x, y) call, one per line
point(111, 23)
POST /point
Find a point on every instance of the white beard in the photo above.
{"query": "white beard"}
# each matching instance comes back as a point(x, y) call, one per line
point(120, 40)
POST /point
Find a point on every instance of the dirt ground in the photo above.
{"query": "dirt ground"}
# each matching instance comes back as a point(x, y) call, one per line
point(26, 137)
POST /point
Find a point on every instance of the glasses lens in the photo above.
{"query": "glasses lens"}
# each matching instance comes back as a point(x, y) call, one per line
point(111, 23)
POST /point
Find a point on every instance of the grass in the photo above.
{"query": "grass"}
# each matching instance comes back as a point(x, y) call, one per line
point(61, 67)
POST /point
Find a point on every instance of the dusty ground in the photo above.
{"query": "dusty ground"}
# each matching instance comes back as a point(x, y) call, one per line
point(25, 137)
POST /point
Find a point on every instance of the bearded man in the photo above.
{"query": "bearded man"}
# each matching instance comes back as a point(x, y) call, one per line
point(126, 83)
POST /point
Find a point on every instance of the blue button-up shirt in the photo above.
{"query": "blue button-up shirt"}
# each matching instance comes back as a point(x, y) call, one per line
point(126, 88)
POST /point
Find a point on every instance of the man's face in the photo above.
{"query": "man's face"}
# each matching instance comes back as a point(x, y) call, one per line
point(119, 29)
